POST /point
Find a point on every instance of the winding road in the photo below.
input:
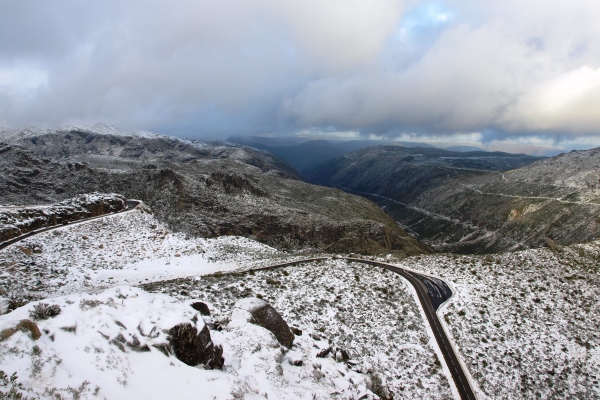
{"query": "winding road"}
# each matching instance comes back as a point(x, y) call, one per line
point(432, 293)
point(131, 204)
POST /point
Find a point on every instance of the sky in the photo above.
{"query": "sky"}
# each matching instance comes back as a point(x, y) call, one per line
point(512, 75)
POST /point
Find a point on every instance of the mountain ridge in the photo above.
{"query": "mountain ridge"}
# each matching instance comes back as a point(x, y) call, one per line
point(206, 189)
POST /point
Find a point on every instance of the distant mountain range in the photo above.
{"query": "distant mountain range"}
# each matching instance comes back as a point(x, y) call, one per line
point(309, 153)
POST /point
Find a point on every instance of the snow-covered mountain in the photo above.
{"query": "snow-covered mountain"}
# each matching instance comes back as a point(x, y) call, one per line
point(206, 189)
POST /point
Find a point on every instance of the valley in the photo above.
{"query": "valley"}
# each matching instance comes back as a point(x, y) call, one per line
point(500, 203)
point(521, 323)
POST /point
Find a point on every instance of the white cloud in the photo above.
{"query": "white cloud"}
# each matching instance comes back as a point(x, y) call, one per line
point(569, 103)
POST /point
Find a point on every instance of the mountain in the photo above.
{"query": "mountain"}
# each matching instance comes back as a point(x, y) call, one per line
point(474, 202)
point(464, 148)
point(305, 155)
point(203, 189)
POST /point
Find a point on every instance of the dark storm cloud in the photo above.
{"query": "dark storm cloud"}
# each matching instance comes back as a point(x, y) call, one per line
point(198, 68)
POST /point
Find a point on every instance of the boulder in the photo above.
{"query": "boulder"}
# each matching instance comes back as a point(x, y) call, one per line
point(552, 244)
point(202, 308)
point(323, 353)
point(296, 331)
point(195, 348)
point(263, 314)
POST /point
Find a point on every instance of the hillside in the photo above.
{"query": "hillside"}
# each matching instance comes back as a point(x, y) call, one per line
point(532, 311)
point(556, 198)
point(463, 202)
point(203, 189)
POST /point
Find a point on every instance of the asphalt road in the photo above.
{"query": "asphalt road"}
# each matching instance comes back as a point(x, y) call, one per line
point(432, 292)
point(131, 204)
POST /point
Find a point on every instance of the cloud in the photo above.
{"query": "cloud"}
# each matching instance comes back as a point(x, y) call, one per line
point(386, 67)
point(491, 73)
point(568, 103)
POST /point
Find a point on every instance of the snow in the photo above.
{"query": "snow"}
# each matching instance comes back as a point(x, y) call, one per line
point(118, 249)
point(523, 323)
point(364, 310)
point(79, 354)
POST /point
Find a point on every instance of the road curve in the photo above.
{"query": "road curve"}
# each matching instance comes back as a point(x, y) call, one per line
point(131, 204)
point(431, 294)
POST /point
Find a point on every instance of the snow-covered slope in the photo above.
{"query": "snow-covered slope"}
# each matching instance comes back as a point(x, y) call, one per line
point(524, 323)
point(81, 355)
point(118, 249)
point(365, 310)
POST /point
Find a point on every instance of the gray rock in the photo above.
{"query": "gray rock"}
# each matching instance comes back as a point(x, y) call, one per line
point(296, 331)
point(341, 355)
point(263, 314)
point(195, 348)
point(323, 353)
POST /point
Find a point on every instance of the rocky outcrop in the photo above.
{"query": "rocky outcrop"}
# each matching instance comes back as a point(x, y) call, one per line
point(17, 221)
point(261, 313)
point(195, 348)
point(201, 307)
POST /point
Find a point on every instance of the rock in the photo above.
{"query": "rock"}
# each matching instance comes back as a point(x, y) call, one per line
point(195, 348)
point(341, 355)
point(201, 307)
point(296, 331)
point(135, 345)
point(263, 314)
point(25, 325)
point(552, 244)
point(26, 250)
point(296, 362)
point(323, 353)
point(217, 360)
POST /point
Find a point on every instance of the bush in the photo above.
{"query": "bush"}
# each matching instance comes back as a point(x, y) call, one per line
point(44, 311)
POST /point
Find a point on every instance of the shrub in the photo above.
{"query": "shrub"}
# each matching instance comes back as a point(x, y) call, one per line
point(44, 311)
